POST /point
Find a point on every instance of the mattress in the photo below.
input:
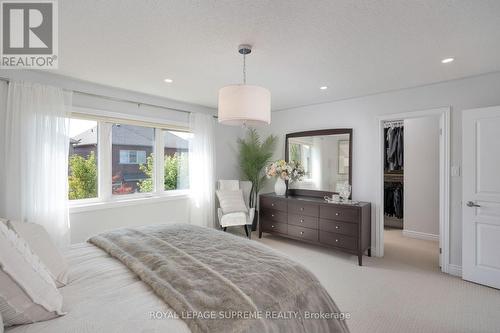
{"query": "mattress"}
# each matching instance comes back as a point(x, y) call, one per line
point(103, 295)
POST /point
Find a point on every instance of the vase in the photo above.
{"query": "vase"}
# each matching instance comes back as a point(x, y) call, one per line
point(345, 192)
point(280, 186)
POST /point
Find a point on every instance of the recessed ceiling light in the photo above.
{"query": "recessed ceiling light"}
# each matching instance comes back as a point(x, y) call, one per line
point(323, 87)
point(168, 80)
point(447, 60)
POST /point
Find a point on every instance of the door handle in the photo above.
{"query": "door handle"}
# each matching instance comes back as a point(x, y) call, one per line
point(472, 204)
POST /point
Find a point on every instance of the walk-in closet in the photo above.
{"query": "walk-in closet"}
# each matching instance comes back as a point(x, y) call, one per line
point(411, 186)
point(394, 174)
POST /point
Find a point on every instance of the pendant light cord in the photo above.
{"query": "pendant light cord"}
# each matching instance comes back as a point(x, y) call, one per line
point(244, 69)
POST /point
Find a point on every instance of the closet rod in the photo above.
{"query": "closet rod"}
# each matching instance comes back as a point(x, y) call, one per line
point(119, 99)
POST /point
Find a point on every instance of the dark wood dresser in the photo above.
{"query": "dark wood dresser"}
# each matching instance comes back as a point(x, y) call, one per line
point(313, 220)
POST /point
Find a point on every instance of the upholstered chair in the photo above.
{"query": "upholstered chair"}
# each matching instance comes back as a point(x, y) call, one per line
point(232, 204)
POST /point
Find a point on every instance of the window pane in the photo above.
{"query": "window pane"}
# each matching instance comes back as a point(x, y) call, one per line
point(132, 159)
point(123, 156)
point(176, 160)
point(82, 170)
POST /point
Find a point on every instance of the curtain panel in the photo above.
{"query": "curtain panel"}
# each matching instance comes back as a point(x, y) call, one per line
point(202, 170)
point(34, 148)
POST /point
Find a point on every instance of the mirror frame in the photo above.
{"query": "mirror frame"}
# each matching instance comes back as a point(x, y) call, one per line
point(333, 131)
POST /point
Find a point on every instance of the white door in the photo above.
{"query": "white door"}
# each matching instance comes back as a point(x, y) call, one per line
point(481, 196)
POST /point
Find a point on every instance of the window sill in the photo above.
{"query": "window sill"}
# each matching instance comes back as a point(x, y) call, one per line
point(129, 201)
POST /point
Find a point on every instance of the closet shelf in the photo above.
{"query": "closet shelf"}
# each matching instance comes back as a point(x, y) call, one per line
point(393, 177)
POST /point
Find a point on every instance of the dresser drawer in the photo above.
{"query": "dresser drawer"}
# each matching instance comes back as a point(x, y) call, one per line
point(344, 228)
point(271, 226)
point(274, 215)
point(273, 203)
point(301, 208)
point(339, 213)
point(304, 221)
point(303, 233)
point(338, 240)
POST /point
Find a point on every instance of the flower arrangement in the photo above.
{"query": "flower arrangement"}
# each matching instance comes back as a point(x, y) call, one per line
point(291, 171)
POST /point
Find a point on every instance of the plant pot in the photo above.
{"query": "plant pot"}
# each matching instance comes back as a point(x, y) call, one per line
point(280, 186)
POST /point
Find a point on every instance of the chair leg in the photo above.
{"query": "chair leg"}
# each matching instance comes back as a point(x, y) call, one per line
point(247, 231)
point(225, 228)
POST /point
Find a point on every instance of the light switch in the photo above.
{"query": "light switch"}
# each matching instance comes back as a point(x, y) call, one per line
point(455, 171)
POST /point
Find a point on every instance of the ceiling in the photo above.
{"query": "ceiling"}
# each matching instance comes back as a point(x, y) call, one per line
point(355, 47)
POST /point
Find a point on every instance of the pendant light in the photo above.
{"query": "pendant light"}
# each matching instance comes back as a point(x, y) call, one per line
point(243, 104)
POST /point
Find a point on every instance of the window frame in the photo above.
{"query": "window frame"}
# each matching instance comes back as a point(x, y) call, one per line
point(110, 162)
point(94, 199)
point(105, 198)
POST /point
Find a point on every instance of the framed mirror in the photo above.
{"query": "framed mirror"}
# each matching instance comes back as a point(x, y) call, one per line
point(325, 155)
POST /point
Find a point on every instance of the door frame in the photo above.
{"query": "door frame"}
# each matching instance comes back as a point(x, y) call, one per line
point(444, 114)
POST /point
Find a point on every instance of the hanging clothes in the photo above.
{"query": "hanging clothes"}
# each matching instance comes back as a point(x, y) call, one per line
point(394, 147)
point(394, 164)
point(393, 200)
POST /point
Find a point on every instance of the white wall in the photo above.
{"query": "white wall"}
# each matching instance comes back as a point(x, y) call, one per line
point(89, 222)
point(226, 151)
point(421, 175)
point(361, 115)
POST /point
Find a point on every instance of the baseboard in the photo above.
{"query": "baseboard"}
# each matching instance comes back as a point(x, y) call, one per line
point(455, 270)
point(420, 235)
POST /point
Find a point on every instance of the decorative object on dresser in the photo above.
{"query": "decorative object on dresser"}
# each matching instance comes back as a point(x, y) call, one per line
point(284, 171)
point(345, 227)
point(317, 208)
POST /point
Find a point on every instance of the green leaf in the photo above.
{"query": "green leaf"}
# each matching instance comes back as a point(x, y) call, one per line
point(254, 155)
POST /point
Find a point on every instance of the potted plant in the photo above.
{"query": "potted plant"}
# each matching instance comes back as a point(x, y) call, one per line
point(284, 171)
point(254, 155)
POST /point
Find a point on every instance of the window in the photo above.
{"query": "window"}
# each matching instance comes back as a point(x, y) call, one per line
point(176, 154)
point(132, 156)
point(125, 159)
point(132, 159)
point(301, 153)
point(82, 161)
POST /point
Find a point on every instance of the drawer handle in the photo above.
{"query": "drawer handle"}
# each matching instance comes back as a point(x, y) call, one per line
point(301, 220)
point(337, 227)
point(301, 232)
point(336, 241)
point(336, 214)
point(272, 205)
point(301, 208)
point(272, 215)
point(272, 226)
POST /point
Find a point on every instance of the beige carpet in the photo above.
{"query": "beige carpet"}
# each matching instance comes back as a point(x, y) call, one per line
point(402, 292)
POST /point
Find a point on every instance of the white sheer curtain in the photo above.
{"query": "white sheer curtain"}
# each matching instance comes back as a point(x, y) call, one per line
point(35, 141)
point(202, 170)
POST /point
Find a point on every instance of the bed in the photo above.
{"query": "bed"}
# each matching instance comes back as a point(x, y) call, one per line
point(125, 281)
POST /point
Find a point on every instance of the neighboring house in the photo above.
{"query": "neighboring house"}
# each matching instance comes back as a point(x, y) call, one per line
point(131, 145)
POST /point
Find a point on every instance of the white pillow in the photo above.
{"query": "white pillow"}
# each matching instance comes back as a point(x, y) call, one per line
point(231, 201)
point(27, 291)
point(229, 185)
point(40, 243)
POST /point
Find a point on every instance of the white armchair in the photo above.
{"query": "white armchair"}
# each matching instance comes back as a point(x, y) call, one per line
point(244, 219)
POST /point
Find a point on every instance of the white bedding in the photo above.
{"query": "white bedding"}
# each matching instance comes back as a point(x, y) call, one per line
point(102, 295)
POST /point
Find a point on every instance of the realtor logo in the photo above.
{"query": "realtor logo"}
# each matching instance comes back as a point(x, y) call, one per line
point(29, 34)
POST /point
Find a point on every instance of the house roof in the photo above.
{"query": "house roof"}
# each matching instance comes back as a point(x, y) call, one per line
point(128, 135)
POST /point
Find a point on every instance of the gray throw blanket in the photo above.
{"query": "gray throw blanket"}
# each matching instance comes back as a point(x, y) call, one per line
point(238, 285)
